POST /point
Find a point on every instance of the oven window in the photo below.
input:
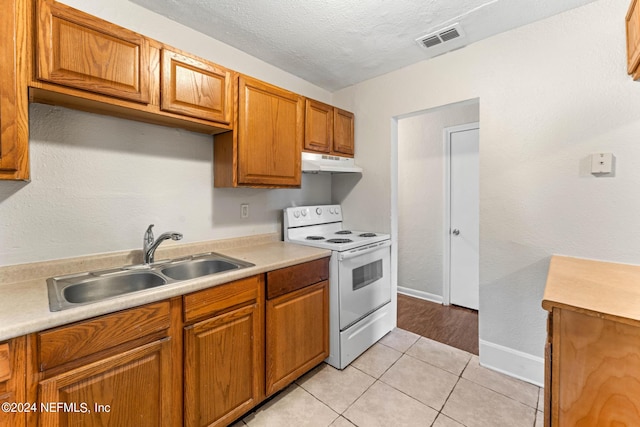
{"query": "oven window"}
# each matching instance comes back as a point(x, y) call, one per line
point(367, 274)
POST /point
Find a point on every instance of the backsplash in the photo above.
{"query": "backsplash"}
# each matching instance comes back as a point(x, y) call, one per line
point(99, 181)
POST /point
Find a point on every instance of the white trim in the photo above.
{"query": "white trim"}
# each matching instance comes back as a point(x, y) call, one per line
point(420, 294)
point(394, 218)
point(446, 220)
point(515, 363)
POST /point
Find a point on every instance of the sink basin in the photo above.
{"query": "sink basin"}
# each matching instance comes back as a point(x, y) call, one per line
point(107, 287)
point(85, 288)
point(198, 268)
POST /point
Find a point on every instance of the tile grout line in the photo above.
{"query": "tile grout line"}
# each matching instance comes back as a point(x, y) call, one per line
point(451, 392)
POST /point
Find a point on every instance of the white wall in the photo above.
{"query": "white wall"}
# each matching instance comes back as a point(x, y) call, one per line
point(421, 197)
point(551, 93)
point(98, 181)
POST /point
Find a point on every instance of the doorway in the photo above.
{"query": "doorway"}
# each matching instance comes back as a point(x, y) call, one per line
point(419, 221)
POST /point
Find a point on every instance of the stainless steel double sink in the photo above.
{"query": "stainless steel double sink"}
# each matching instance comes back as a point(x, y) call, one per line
point(85, 288)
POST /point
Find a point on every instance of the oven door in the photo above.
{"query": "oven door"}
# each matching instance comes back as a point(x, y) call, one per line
point(364, 281)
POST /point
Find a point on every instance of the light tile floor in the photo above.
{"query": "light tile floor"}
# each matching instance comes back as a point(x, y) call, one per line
point(404, 380)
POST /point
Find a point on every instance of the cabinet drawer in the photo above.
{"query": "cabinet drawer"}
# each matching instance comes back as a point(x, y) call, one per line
point(219, 299)
point(68, 343)
point(81, 51)
point(289, 279)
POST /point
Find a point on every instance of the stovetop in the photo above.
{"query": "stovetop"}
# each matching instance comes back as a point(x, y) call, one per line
point(321, 227)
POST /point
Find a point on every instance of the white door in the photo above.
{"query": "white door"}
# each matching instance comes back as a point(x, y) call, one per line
point(464, 216)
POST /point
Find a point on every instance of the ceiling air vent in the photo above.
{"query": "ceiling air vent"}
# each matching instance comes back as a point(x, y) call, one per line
point(431, 41)
point(448, 33)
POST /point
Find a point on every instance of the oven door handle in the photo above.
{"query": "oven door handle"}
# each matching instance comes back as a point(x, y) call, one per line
point(363, 250)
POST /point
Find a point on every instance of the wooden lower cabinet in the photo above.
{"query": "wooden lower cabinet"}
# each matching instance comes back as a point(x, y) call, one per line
point(193, 360)
point(113, 370)
point(297, 319)
point(595, 371)
point(297, 334)
point(12, 382)
point(224, 354)
point(131, 388)
point(592, 355)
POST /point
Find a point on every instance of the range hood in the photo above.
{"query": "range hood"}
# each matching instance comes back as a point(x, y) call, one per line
point(317, 163)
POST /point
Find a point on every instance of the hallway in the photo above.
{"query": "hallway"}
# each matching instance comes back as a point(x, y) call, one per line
point(451, 325)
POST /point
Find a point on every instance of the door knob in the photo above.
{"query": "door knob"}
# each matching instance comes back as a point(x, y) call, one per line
point(455, 232)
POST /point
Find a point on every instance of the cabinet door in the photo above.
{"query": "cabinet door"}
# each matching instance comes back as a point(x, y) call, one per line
point(223, 370)
point(78, 50)
point(633, 39)
point(195, 87)
point(132, 388)
point(318, 126)
point(343, 132)
point(297, 334)
point(595, 371)
point(12, 382)
point(14, 136)
point(270, 135)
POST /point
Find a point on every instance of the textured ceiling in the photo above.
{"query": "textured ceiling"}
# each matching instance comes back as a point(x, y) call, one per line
point(337, 43)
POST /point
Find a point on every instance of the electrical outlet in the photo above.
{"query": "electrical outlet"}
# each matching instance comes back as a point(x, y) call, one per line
point(244, 210)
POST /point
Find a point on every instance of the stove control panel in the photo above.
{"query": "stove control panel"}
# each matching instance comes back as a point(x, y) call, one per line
point(299, 216)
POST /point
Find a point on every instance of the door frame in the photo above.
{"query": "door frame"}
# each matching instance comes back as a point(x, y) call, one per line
point(446, 220)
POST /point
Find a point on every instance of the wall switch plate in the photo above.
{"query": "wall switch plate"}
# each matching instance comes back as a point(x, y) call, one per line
point(601, 163)
point(244, 210)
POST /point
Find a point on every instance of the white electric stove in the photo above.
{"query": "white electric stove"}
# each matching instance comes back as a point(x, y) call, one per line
point(359, 278)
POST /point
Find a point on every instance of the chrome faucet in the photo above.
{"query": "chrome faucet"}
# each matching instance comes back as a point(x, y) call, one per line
point(149, 245)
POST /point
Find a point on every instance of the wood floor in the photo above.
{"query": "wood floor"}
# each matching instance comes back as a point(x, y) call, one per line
point(452, 325)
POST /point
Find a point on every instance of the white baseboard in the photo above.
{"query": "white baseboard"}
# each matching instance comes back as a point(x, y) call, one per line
point(420, 294)
point(512, 362)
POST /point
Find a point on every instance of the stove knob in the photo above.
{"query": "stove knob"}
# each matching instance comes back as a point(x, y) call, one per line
point(296, 214)
point(337, 211)
point(304, 212)
point(319, 211)
point(331, 211)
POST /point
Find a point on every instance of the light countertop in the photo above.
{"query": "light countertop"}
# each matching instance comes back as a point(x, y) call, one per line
point(24, 302)
point(605, 289)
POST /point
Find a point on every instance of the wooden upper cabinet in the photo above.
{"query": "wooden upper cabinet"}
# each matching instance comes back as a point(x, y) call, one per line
point(269, 135)
point(343, 138)
point(328, 129)
point(632, 21)
point(78, 50)
point(14, 125)
point(195, 87)
point(318, 126)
